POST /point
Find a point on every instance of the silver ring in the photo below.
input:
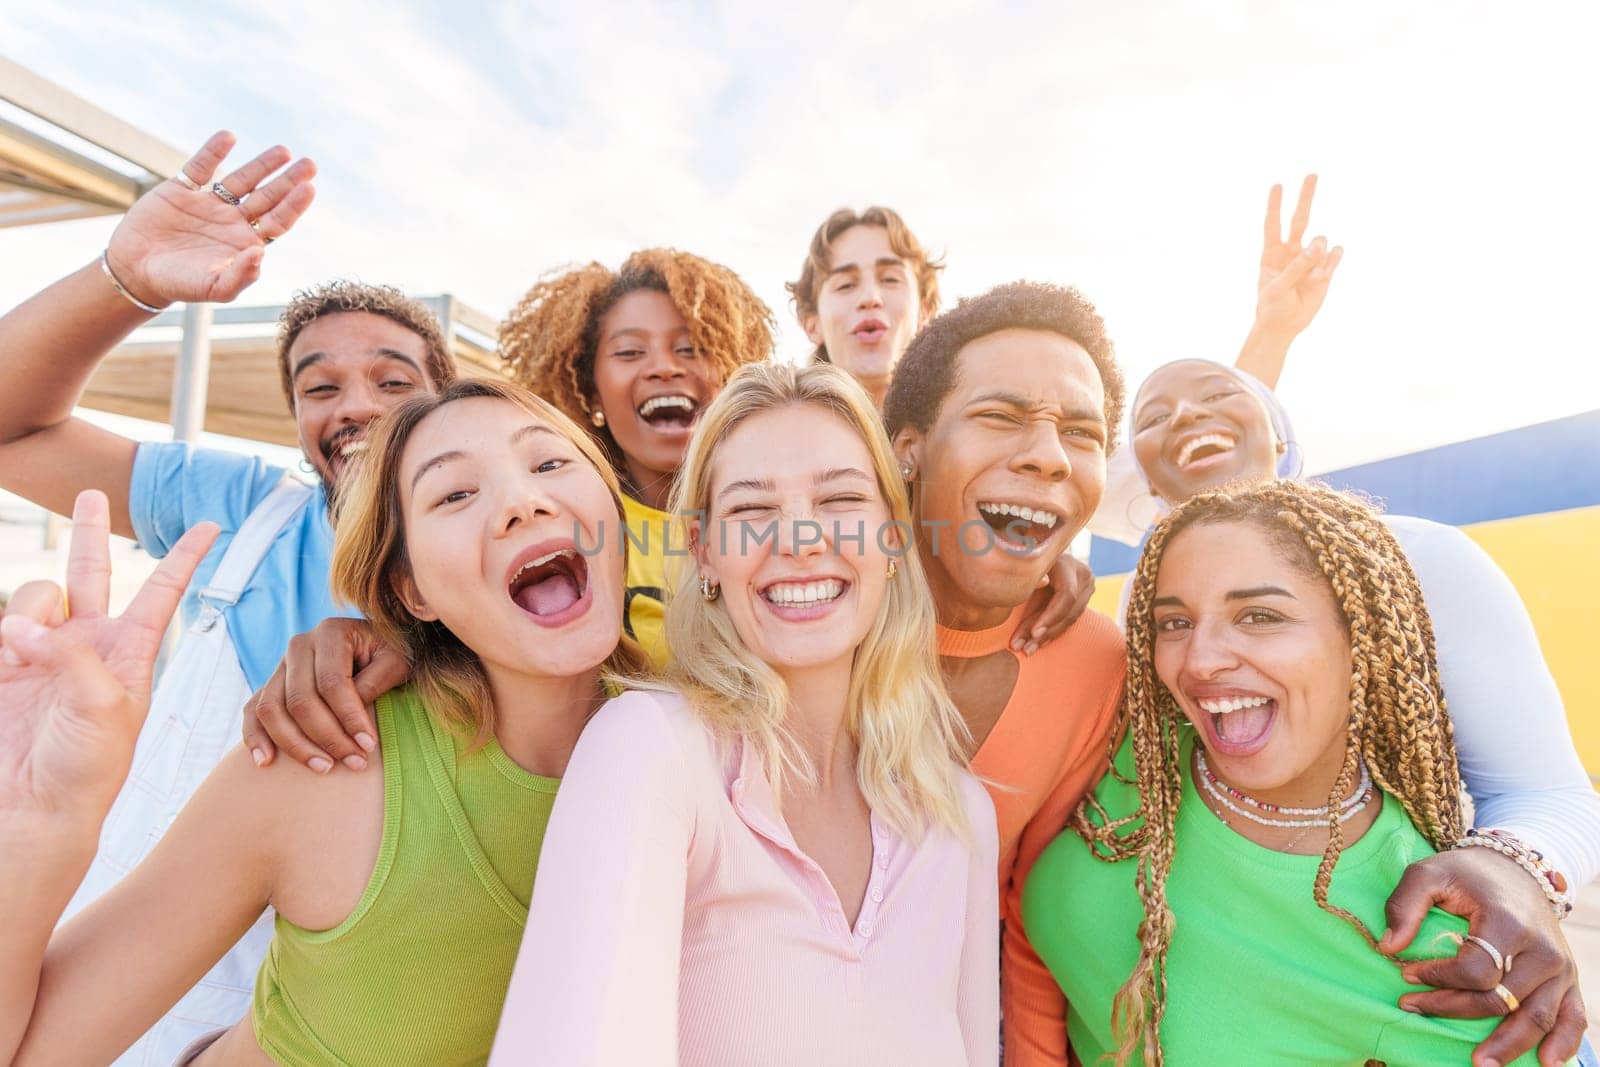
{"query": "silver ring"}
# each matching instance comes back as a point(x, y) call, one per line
point(187, 182)
point(1494, 953)
point(222, 193)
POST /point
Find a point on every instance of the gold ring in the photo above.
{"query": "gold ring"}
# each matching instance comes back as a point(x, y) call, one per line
point(1508, 998)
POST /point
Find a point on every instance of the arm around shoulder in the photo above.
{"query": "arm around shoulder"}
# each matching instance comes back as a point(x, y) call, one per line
point(1516, 751)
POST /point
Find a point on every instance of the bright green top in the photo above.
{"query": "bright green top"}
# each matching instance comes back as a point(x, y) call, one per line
point(1256, 973)
point(418, 972)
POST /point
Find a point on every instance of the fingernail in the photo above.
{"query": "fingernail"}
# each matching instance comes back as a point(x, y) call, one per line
point(1033, 646)
point(1410, 1008)
point(354, 762)
point(1491, 1062)
point(320, 764)
point(1016, 644)
point(366, 742)
point(259, 756)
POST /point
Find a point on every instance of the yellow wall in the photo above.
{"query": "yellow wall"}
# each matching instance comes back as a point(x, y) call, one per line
point(1554, 561)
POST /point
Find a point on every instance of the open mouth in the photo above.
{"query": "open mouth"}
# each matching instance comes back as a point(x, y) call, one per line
point(804, 600)
point(1240, 724)
point(1204, 447)
point(552, 586)
point(870, 331)
point(1018, 524)
point(673, 412)
point(345, 445)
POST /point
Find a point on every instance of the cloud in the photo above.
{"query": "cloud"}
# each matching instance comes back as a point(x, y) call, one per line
point(1123, 149)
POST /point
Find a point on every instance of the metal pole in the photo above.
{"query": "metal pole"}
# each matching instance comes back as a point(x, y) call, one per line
point(192, 374)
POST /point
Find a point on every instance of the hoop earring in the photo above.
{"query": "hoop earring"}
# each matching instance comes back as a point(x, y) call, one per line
point(306, 467)
point(709, 589)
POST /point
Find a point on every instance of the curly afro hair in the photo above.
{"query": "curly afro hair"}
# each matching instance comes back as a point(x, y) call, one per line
point(548, 342)
point(331, 298)
point(926, 373)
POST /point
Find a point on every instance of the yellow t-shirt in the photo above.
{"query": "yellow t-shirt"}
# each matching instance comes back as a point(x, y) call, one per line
point(644, 602)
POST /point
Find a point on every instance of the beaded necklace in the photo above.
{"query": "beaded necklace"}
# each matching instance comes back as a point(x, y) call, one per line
point(1220, 791)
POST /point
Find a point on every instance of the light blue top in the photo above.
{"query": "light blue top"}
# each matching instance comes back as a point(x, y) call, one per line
point(176, 485)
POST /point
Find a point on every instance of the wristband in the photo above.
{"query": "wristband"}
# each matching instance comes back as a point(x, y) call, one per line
point(105, 268)
point(1529, 859)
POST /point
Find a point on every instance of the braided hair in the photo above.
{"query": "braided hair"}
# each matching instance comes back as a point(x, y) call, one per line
point(1398, 723)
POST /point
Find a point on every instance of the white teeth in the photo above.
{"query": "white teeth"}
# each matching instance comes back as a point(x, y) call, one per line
point(541, 561)
point(1224, 707)
point(656, 403)
point(818, 592)
point(1018, 511)
point(1222, 441)
point(354, 448)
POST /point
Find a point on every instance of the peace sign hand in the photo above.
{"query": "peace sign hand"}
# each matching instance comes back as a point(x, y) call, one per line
point(1294, 280)
point(74, 691)
point(181, 243)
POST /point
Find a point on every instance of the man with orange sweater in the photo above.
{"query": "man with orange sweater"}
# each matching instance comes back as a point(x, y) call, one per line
point(1002, 412)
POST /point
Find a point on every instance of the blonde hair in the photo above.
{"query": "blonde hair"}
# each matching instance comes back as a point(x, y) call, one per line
point(908, 733)
point(1398, 722)
point(370, 557)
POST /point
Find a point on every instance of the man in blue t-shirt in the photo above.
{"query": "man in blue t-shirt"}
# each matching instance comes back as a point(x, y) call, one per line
point(346, 353)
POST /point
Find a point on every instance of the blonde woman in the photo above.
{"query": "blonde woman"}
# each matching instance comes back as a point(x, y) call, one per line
point(401, 895)
point(776, 856)
point(1220, 897)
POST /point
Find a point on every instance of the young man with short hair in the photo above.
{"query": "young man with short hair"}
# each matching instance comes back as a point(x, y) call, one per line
point(346, 353)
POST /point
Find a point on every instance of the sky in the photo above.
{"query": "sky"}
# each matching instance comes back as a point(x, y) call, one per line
point(1124, 149)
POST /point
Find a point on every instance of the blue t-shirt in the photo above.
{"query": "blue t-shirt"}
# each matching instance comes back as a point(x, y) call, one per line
point(176, 485)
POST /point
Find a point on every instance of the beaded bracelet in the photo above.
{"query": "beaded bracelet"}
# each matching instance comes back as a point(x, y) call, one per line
point(1529, 859)
point(105, 267)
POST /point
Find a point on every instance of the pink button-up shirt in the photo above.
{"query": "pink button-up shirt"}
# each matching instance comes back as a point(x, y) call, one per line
point(674, 920)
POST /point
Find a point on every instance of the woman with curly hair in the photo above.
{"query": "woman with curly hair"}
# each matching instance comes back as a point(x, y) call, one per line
point(635, 355)
point(1285, 725)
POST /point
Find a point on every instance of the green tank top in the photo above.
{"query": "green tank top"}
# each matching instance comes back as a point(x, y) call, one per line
point(418, 972)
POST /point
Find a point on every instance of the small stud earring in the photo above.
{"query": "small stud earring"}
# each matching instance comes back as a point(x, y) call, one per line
point(597, 417)
point(905, 471)
point(709, 589)
point(894, 568)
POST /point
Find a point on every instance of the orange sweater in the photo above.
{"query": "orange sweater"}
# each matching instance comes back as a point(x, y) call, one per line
point(1050, 744)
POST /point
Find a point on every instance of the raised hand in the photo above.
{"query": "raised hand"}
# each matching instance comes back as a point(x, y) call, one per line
point(74, 689)
point(182, 243)
point(1294, 279)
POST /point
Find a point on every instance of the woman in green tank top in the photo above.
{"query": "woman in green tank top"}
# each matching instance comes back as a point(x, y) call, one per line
point(1219, 898)
point(399, 917)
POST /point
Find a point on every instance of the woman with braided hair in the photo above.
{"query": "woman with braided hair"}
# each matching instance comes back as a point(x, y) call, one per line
point(1287, 755)
point(1195, 425)
point(634, 355)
